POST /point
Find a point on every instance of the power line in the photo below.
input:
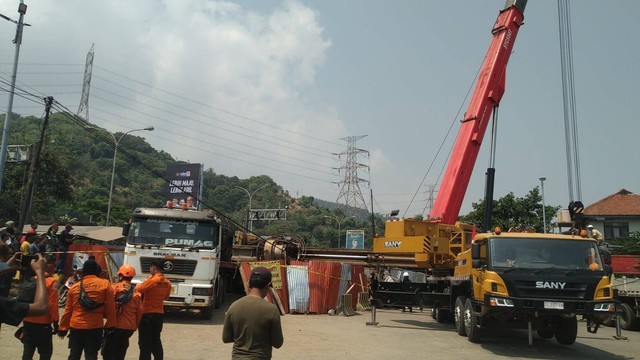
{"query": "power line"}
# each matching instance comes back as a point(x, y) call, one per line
point(442, 143)
point(248, 134)
point(235, 149)
point(63, 110)
point(216, 108)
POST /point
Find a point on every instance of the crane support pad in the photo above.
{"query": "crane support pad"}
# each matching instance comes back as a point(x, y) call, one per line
point(347, 309)
point(363, 301)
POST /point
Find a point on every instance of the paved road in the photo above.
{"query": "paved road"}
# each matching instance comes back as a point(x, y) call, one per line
point(399, 336)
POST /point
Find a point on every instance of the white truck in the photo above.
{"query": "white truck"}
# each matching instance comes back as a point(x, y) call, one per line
point(191, 245)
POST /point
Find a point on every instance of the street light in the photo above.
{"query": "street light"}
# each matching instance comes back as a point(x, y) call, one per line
point(116, 142)
point(250, 223)
point(339, 223)
point(544, 214)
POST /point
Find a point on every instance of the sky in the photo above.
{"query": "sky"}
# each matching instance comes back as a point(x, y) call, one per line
point(271, 87)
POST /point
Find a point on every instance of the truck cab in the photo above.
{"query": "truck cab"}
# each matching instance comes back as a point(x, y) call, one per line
point(189, 243)
point(540, 279)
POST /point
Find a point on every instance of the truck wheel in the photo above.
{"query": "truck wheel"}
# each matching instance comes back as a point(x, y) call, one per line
point(566, 330)
point(206, 313)
point(628, 320)
point(471, 325)
point(545, 333)
point(458, 315)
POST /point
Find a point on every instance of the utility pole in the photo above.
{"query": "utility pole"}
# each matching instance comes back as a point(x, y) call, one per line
point(25, 211)
point(22, 9)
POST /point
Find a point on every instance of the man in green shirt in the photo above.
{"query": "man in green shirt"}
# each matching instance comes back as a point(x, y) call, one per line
point(253, 324)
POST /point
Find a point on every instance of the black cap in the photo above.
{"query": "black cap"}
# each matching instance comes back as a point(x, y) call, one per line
point(260, 277)
point(90, 267)
point(158, 263)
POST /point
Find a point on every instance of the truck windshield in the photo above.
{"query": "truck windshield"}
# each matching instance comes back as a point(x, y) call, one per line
point(544, 254)
point(171, 232)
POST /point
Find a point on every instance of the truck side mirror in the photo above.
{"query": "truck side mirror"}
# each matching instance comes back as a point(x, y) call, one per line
point(475, 251)
point(125, 229)
point(476, 263)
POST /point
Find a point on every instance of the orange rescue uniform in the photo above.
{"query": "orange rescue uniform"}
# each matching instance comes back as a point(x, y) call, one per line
point(52, 294)
point(76, 317)
point(129, 316)
point(155, 290)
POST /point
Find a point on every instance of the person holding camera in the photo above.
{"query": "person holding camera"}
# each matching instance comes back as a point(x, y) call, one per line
point(12, 311)
point(89, 301)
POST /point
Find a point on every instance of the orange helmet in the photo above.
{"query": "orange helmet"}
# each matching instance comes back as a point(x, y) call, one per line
point(127, 270)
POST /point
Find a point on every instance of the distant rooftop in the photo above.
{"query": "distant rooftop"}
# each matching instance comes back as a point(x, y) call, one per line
point(623, 202)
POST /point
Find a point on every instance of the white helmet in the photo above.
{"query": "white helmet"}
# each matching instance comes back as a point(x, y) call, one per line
point(405, 274)
point(590, 226)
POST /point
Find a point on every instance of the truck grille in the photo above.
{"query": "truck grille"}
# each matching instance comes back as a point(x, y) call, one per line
point(570, 291)
point(171, 267)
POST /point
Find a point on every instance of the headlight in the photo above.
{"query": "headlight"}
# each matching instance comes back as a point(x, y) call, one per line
point(202, 291)
point(605, 307)
point(496, 301)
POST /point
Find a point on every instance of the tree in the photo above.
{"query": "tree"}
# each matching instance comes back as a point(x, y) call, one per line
point(511, 211)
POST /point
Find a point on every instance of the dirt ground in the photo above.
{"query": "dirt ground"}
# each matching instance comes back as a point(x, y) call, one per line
point(398, 336)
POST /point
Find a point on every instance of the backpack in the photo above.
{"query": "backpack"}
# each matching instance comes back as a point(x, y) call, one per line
point(124, 297)
point(85, 301)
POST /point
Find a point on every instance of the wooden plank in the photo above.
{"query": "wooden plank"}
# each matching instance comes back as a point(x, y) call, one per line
point(276, 300)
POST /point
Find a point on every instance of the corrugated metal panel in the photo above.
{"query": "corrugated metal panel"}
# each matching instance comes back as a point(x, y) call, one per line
point(298, 286)
point(345, 281)
point(324, 284)
point(316, 286)
point(334, 271)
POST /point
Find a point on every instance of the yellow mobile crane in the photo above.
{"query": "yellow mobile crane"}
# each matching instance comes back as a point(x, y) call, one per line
point(523, 280)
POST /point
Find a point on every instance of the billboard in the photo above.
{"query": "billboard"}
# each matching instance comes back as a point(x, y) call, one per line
point(185, 184)
point(355, 239)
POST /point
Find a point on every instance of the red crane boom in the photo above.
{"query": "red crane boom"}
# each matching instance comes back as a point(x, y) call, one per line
point(489, 89)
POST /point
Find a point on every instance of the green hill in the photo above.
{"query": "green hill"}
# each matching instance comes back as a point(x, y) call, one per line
point(75, 172)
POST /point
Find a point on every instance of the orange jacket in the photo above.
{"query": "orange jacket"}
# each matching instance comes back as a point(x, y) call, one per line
point(155, 290)
point(76, 317)
point(52, 294)
point(129, 316)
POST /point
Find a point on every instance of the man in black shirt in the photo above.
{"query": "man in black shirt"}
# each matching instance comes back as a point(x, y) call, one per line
point(253, 324)
point(65, 239)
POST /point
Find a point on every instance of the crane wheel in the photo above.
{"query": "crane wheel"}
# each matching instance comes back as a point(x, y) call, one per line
point(458, 315)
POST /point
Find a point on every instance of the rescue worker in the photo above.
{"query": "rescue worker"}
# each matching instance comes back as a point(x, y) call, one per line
point(128, 314)
point(38, 333)
point(89, 301)
point(154, 290)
